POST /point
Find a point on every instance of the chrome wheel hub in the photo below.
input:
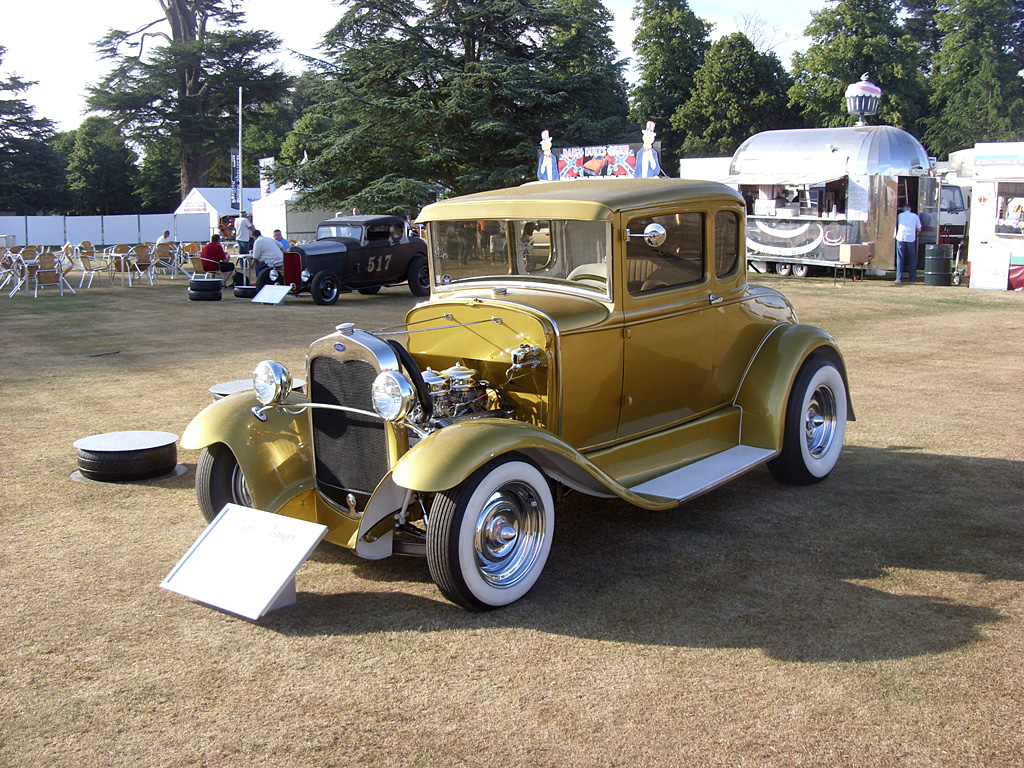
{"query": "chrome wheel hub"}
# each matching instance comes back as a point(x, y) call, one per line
point(509, 534)
point(820, 421)
point(239, 493)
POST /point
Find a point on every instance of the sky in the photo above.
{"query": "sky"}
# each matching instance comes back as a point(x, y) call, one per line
point(50, 41)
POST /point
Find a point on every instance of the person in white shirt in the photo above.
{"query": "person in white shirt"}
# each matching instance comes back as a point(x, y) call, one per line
point(165, 237)
point(244, 234)
point(266, 253)
point(908, 225)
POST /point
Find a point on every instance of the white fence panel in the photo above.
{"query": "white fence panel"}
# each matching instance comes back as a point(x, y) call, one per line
point(13, 225)
point(120, 229)
point(45, 230)
point(192, 227)
point(79, 228)
point(152, 225)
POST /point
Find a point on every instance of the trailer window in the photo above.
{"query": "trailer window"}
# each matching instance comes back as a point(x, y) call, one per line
point(676, 262)
point(727, 242)
point(1010, 201)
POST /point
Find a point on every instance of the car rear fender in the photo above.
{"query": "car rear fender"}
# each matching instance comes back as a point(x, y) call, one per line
point(765, 388)
point(275, 455)
point(445, 458)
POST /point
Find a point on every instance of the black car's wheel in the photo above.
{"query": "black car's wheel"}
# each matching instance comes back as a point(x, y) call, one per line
point(370, 291)
point(801, 270)
point(815, 424)
point(267, 277)
point(324, 288)
point(219, 481)
point(783, 269)
point(419, 276)
point(488, 539)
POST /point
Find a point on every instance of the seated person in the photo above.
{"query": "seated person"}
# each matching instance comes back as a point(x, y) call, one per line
point(396, 234)
point(266, 253)
point(213, 257)
point(282, 243)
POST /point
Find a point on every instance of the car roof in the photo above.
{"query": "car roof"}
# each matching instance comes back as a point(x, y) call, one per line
point(586, 199)
point(363, 221)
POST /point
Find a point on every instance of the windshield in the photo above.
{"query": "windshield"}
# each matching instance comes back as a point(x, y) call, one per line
point(339, 230)
point(576, 251)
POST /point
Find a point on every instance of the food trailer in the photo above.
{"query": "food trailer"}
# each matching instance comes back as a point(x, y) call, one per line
point(997, 216)
point(825, 196)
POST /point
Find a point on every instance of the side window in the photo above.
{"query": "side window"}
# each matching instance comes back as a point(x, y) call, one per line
point(727, 242)
point(676, 262)
point(377, 232)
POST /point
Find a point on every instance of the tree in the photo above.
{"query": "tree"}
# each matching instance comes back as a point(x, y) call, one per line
point(450, 96)
point(596, 107)
point(187, 87)
point(852, 37)
point(158, 188)
point(977, 86)
point(920, 24)
point(737, 93)
point(102, 173)
point(670, 45)
point(31, 173)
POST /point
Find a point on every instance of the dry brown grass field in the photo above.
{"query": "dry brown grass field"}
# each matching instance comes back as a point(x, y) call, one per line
point(875, 619)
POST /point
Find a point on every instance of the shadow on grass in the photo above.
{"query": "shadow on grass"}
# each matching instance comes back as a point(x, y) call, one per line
point(753, 565)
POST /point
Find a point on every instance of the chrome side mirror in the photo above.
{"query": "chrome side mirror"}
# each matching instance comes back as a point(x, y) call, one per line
point(654, 234)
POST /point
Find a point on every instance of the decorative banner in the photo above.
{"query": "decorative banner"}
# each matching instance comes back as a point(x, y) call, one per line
point(605, 160)
point(608, 160)
point(236, 186)
point(266, 176)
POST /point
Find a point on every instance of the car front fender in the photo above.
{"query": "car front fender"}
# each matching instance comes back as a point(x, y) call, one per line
point(764, 392)
point(445, 458)
point(275, 455)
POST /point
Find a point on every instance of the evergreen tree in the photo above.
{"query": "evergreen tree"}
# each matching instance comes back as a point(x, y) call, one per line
point(158, 186)
point(450, 97)
point(101, 170)
point(737, 93)
point(852, 37)
point(920, 24)
point(187, 86)
point(581, 48)
point(977, 88)
point(670, 45)
point(31, 173)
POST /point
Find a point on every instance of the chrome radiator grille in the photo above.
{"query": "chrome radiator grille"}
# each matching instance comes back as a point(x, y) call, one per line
point(350, 449)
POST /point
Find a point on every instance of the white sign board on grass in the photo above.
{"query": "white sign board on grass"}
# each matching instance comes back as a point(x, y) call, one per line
point(245, 562)
point(272, 294)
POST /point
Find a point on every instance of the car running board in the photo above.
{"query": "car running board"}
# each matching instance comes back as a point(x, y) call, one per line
point(701, 476)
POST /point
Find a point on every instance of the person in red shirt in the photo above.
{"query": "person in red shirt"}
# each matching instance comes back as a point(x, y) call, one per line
point(214, 258)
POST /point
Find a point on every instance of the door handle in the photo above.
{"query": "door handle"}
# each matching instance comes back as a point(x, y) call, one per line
point(714, 299)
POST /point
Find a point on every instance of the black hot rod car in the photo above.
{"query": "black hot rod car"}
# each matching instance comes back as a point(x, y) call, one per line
point(360, 253)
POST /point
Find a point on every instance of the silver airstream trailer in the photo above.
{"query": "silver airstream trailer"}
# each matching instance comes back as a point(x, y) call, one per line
point(823, 196)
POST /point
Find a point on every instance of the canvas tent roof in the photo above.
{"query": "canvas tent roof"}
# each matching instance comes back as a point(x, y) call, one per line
point(216, 200)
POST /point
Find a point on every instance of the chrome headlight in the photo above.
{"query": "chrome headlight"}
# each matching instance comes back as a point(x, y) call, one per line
point(272, 382)
point(393, 395)
point(305, 275)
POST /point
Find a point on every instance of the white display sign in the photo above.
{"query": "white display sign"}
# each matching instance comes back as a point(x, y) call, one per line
point(245, 562)
point(272, 294)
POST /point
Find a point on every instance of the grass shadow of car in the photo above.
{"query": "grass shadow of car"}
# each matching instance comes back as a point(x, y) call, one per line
point(841, 571)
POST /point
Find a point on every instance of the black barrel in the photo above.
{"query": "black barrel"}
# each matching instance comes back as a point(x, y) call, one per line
point(938, 265)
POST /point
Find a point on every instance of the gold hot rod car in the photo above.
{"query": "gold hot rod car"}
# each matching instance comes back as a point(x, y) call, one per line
point(597, 336)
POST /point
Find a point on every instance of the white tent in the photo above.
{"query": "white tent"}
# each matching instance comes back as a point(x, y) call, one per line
point(280, 210)
point(216, 202)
